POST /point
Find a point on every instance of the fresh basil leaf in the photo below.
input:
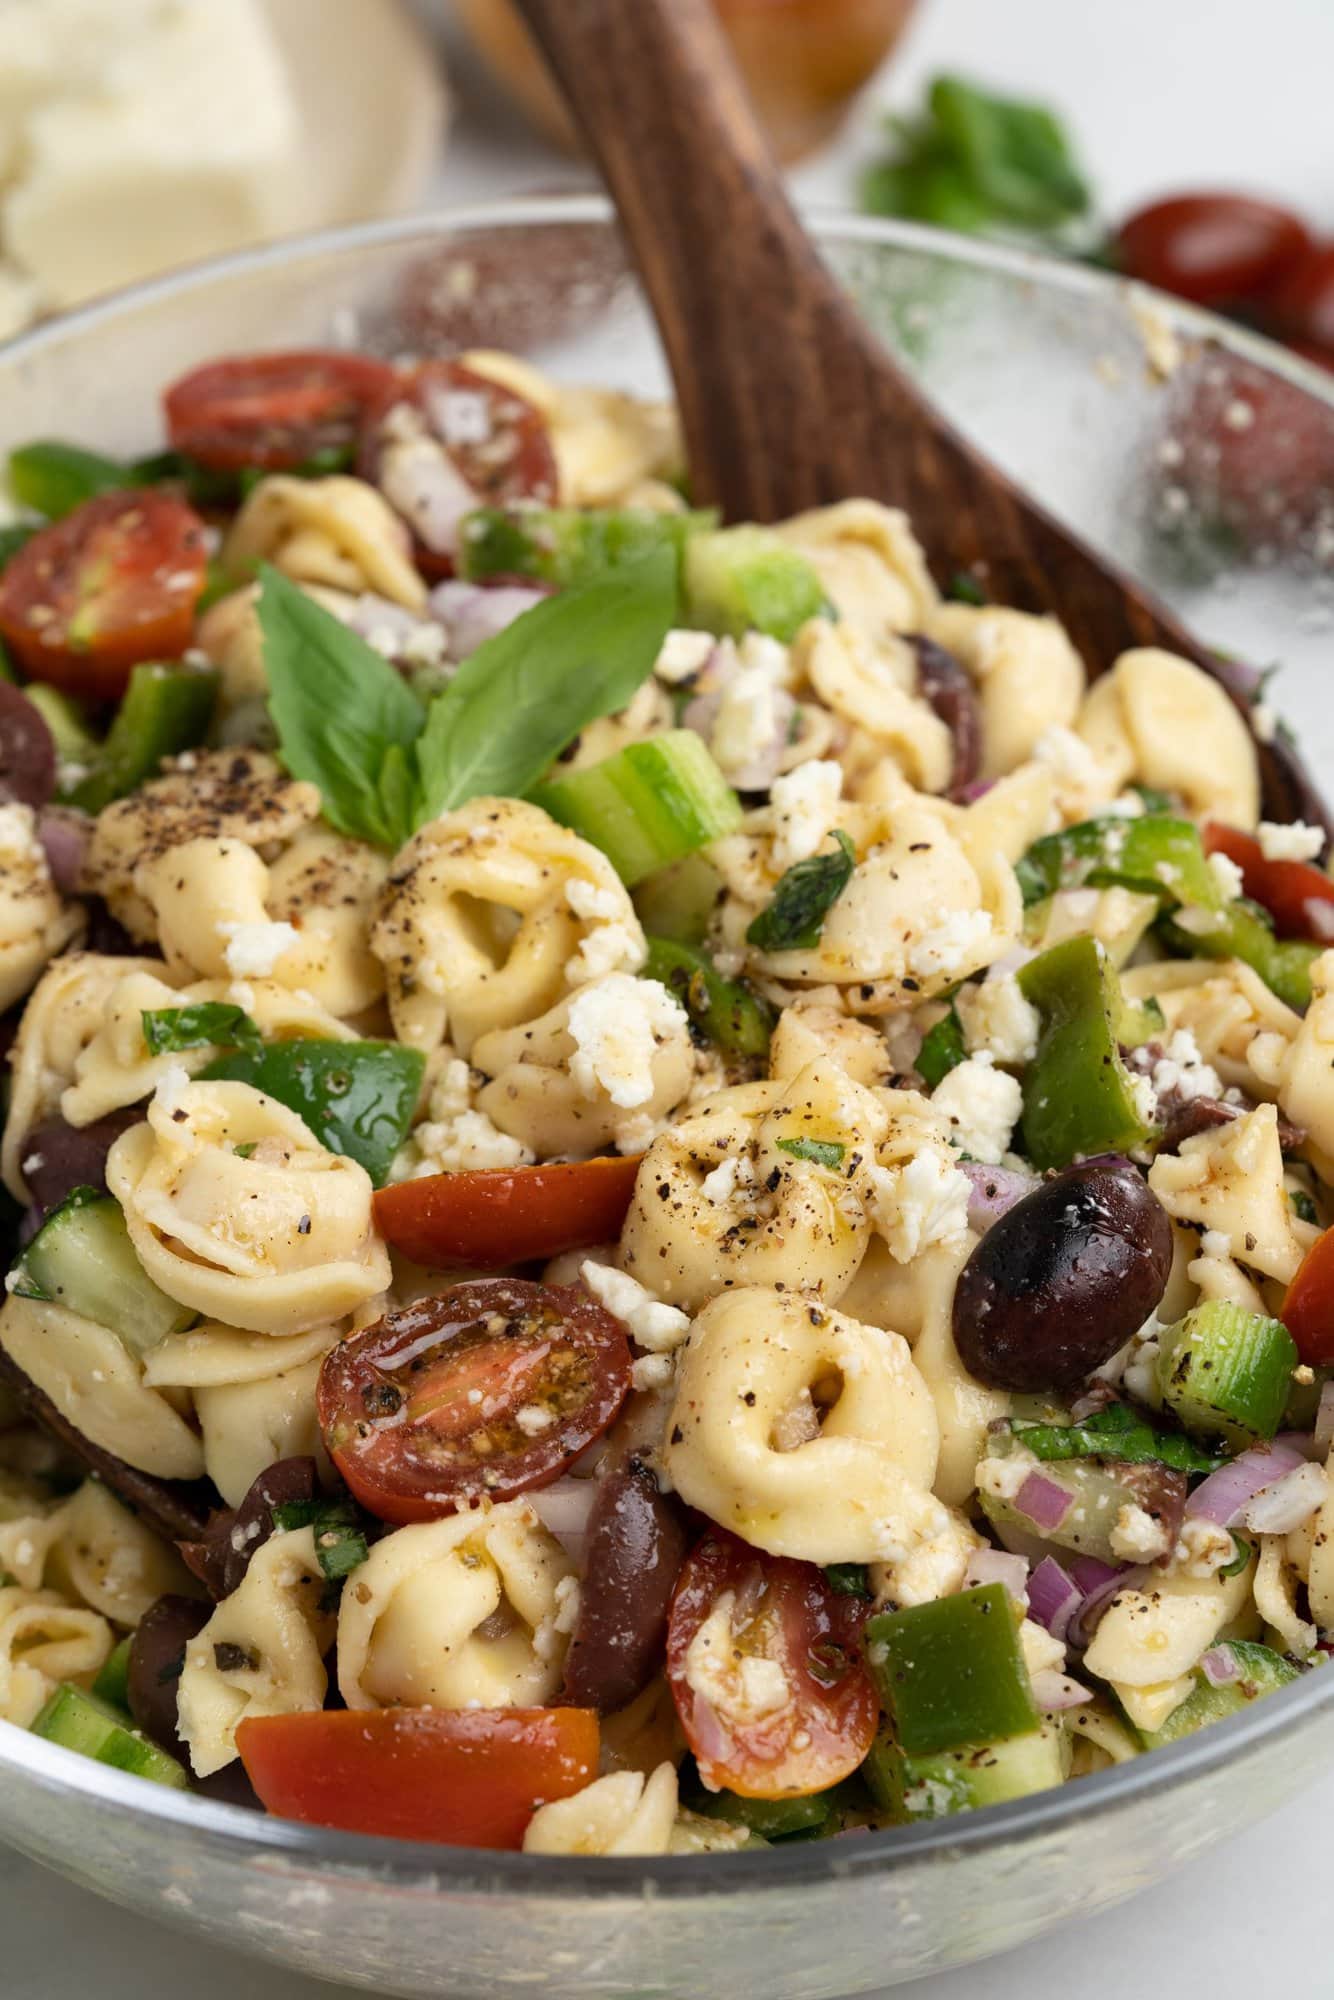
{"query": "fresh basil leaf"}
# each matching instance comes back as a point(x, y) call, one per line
point(964, 588)
point(341, 711)
point(803, 899)
point(208, 1024)
point(942, 1050)
point(53, 478)
point(1016, 155)
point(340, 1535)
point(1302, 1206)
point(523, 696)
point(848, 1579)
point(1115, 1433)
point(820, 1152)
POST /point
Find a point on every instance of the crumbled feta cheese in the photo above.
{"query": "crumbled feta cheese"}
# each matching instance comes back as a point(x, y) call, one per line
point(18, 834)
point(653, 1325)
point(955, 946)
point(253, 950)
point(1216, 1243)
point(592, 901)
point(424, 646)
point(748, 719)
point(1298, 842)
point(1202, 1549)
point(1137, 1537)
point(1227, 875)
point(983, 1104)
point(1144, 1098)
point(682, 656)
point(1002, 1476)
point(617, 1024)
point(456, 1139)
point(804, 804)
point(997, 1017)
point(718, 1186)
point(1183, 1069)
point(533, 1419)
point(168, 1095)
point(652, 1372)
point(1126, 805)
point(1068, 756)
point(612, 945)
point(921, 1203)
point(740, 1687)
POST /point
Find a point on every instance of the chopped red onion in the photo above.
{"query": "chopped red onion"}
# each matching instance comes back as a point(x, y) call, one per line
point(995, 1189)
point(1043, 1502)
point(563, 1508)
point(969, 794)
point(64, 833)
point(1225, 1495)
point(1319, 915)
point(998, 1566)
point(1053, 1597)
point(1220, 1666)
point(1091, 1573)
point(473, 613)
point(1055, 1691)
point(1099, 1598)
point(1324, 1423)
point(1288, 1502)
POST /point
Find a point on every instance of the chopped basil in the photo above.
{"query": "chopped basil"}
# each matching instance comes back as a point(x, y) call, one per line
point(942, 1050)
point(1116, 1433)
point(848, 1579)
point(803, 899)
point(820, 1152)
point(209, 1024)
point(965, 589)
point(340, 1534)
point(1302, 1205)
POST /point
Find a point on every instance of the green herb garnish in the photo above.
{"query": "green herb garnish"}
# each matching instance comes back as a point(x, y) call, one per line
point(820, 1152)
point(1115, 1433)
point(340, 1534)
point(210, 1024)
point(942, 1050)
point(1244, 1551)
point(803, 899)
point(848, 1579)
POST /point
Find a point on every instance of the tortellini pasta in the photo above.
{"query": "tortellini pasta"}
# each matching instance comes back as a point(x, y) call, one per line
point(275, 1239)
point(261, 1653)
point(870, 563)
point(337, 531)
point(808, 1433)
point(34, 922)
point(623, 1812)
point(327, 886)
point(1153, 1636)
point(1230, 1181)
point(1029, 677)
point(1161, 719)
point(44, 1640)
point(871, 689)
point(248, 1426)
point(491, 914)
point(92, 1550)
point(458, 1613)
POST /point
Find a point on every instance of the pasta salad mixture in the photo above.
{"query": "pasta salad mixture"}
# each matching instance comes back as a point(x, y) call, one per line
point(668, 1192)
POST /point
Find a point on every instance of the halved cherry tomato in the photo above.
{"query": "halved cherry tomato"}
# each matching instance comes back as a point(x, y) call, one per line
point(487, 1390)
point(272, 410)
point(1216, 249)
point(1299, 897)
point(766, 1670)
point(506, 1215)
point(441, 439)
point(470, 1777)
point(114, 583)
point(1308, 1309)
point(1301, 306)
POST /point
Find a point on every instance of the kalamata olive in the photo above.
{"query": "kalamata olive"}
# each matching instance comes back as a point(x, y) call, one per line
point(157, 1655)
point(64, 832)
point(176, 1508)
point(636, 1546)
point(57, 1157)
point(221, 1556)
point(945, 685)
point(1063, 1279)
point(27, 750)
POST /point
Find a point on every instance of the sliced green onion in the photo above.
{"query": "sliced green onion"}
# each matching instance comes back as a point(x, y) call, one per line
point(648, 805)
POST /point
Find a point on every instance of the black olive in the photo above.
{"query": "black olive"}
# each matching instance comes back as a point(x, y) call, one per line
point(636, 1545)
point(945, 686)
point(1063, 1279)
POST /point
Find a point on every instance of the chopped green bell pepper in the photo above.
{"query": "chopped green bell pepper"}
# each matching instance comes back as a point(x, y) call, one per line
point(772, 1819)
point(1243, 930)
point(1155, 855)
point(568, 545)
point(951, 1673)
point(726, 1010)
point(1079, 1096)
point(164, 710)
point(358, 1098)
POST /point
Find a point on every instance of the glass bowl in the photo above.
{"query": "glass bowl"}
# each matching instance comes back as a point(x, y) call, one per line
point(1196, 455)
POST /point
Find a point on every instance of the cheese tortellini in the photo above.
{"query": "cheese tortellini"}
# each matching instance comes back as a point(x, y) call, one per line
point(1230, 1181)
point(339, 532)
point(236, 1209)
point(1029, 677)
point(1158, 718)
point(34, 921)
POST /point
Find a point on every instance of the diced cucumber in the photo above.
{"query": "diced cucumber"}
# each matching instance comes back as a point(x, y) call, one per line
point(677, 902)
point(80, 1721)
point(952, 1781)
point(951, 1673)
point(726, 1010)
point(82, 1258)
point(1226, 1372)
point(1099, 1493)
point(772, 1819)
point(165, 709)
point(747, 579)
point(74, 740)
point(1261, 1671)
point(568, 545)
point(113, 1682)
point(647, 805)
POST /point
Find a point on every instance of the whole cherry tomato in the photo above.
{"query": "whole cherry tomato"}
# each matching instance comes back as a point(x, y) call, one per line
point(1217, 249)
point(114, 583)
point(506, 1215)
point(470, 1777)
point(765, 1665)
point(490, 1389)
point(272, 410)
point(1301, 306)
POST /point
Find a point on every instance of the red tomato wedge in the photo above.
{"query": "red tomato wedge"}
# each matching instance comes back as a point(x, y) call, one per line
point(766, 1670)
point(440, 440)
point(1298, 896)
point(1217, 249)
point(506, 1215)
point(1308, 1309)
point(272, 410)
point(468, 1777)
point(490, 1389)
point(114, 583)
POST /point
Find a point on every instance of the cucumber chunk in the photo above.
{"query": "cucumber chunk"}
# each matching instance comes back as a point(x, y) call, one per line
point(566, 546)
point(648, 805)
point(748, 580)
point(112, 1684)
point(952, 1781)
point(1261, 1672)
point(80, 1721)
point(1226, 1372)
point(82, 1258)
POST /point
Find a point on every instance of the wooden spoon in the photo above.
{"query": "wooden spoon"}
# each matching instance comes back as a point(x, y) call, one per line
point(787, 398)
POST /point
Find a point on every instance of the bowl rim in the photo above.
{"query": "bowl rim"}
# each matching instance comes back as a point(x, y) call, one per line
point(427, 1868)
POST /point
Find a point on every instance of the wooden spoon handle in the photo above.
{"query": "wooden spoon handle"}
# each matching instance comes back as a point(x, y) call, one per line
point(655, 88)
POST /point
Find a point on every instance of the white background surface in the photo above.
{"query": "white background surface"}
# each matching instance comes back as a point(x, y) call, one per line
point(1159, 92)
